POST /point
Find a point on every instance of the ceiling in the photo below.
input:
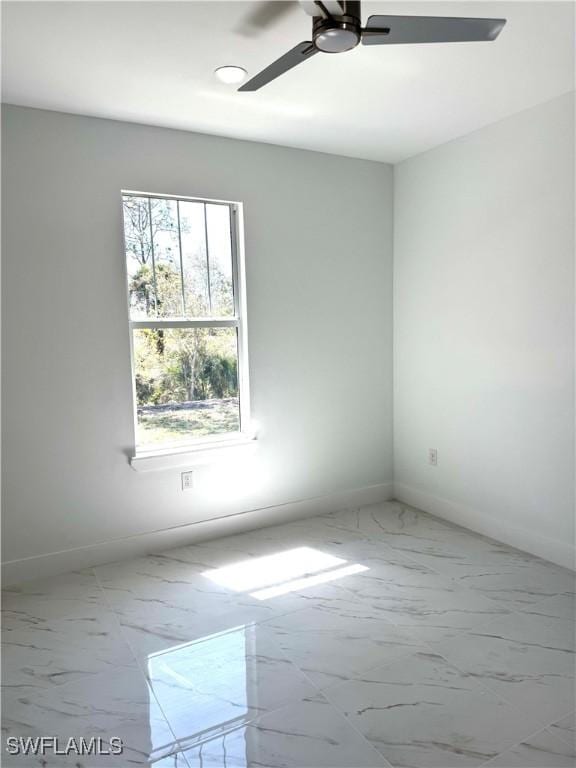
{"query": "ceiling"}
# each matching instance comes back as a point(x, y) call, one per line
point(152, 62)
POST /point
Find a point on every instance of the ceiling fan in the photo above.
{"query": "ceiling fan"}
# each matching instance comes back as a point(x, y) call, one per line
point(337, 27)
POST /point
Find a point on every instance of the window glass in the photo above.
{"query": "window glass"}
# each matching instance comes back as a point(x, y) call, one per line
point(194, 259)
point(167, 267)
point(186, 384)
point(186, 330)
point(220, 261)
point(139, 261)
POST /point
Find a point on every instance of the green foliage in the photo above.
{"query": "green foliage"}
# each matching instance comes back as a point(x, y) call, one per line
point(142, 290)
point(180, 365)
point(216, 377)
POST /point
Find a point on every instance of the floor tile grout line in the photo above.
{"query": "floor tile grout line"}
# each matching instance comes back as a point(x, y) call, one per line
point(354, 727)
point(225, 592)
point(486, 625)
point(465, 675)
point(519, 744)
point(509, 611)
point(111, 609)
point(457, 584)
point(478, 683)
point(363, 538)
point(138, 667)
point(484, 537)
point(103, 606)
point(182, 743)
point(470, 632)
point(322, 693)
point(319, 692)
point(407, 652)
point(455, 527)
point(413, 558)
point(296, 701)
point(449, 526)
point(485, 686)
point(108, 609)
point(410, 650)
point(570, 742)
point(494, 693)
point(298, 670)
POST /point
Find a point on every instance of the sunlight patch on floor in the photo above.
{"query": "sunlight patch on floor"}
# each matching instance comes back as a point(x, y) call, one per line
point(308, 581)
point(282, 572)
point(272, 569)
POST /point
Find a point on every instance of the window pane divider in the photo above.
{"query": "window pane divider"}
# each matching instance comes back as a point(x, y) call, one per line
point(181, 259)
point(198, 322)
point(207, 258)
point(153, 254)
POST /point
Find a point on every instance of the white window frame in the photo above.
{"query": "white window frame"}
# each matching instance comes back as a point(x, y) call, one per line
point(205, 449)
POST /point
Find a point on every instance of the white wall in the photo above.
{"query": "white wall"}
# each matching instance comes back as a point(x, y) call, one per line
point(484, 335)
point(484, 330)
point(319, 280)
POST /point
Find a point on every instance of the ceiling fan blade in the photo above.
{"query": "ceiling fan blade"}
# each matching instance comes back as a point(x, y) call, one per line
point(313, 8)
point(334, 7)
point(264, 15)
point(394, 30)
point(291, 59)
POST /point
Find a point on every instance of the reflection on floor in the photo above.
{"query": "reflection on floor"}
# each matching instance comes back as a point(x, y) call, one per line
point(372, 637)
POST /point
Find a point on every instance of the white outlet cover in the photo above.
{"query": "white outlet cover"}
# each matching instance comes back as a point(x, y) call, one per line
point(187, 480)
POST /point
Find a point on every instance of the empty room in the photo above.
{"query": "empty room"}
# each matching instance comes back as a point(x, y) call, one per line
point(288, 405)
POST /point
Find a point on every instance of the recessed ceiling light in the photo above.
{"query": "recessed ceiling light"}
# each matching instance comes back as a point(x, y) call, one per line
point(230, 74)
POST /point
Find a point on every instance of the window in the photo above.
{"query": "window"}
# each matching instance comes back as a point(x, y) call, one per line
point(187, 321)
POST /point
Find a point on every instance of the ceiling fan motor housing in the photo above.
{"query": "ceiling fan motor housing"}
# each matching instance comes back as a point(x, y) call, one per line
point(337, 34)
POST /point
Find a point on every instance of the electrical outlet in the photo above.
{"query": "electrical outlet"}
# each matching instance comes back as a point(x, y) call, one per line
point(187, 480)
point(433, 457)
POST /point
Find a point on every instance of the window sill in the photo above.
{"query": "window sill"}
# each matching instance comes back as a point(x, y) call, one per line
point(191, 456)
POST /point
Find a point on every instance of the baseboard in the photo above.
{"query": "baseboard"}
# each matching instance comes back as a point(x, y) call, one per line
point(559, 552)
point(53, 563)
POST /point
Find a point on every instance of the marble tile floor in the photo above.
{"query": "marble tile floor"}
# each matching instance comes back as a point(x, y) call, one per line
point(373, 637)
